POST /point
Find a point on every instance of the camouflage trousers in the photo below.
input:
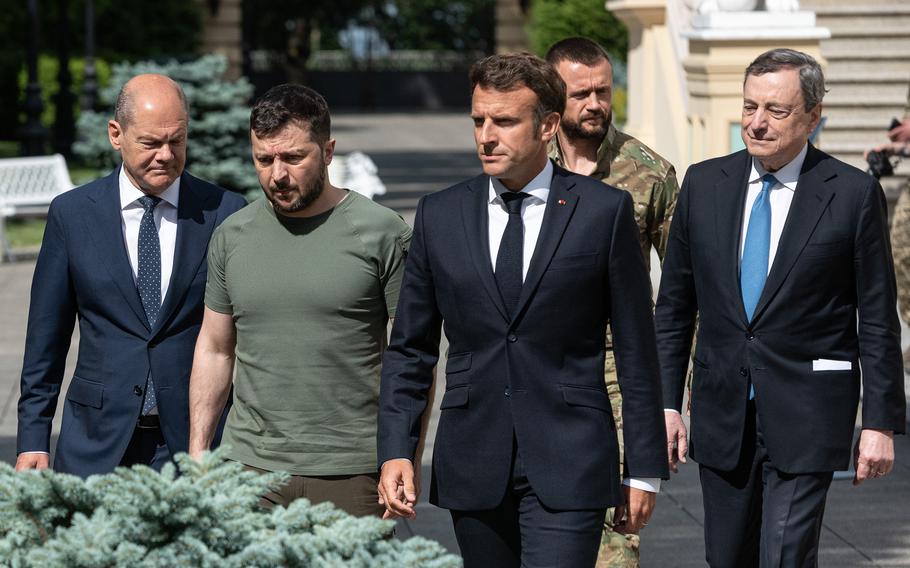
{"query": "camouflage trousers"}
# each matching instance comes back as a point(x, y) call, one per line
point(900, 247)
point(616, 550)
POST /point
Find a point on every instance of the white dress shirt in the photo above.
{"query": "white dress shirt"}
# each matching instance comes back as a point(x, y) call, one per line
point(781, 197)
point(532, 210)
point(165, 219)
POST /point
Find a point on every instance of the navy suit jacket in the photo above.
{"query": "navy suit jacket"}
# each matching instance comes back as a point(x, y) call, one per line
point(83, 272)
point(833, 263)
point(539, 376)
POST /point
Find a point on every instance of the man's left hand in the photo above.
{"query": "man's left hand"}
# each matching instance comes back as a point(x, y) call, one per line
point(637, 510)
point(873, 455)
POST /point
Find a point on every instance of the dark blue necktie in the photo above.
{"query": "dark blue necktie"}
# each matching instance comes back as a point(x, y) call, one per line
point(149, 280)
point(756, 251)
point(509, 262)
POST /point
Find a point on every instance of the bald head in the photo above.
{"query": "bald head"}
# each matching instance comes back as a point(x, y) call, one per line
point(148, 92)
point(149, 130)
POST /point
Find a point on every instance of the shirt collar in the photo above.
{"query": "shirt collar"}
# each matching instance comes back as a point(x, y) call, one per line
point(538, 188)
point(787, 176)
point(129, 193)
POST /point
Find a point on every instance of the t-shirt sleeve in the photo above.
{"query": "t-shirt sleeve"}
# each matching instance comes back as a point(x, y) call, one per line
point(393, 265)
point(216, 292)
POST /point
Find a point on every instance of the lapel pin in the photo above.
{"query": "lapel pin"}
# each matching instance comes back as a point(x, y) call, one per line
point(561, 202)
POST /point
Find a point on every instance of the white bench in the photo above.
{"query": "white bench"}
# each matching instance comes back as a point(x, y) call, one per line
point(27, 187)
point(356, 171)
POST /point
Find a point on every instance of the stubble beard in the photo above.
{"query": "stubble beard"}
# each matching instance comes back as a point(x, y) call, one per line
point(309, 194)
point(576, 131)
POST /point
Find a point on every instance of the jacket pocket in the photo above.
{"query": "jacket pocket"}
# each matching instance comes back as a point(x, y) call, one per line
point(573, 261)
point(88, 393)
point(586, 396)
point(455, 397)
point(458, 362)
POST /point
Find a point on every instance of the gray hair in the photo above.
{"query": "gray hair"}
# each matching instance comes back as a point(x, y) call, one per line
point(811, 78)
point(124, 107)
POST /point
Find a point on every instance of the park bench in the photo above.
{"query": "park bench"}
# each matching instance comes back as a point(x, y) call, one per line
point(356, 171)
point(27, 187)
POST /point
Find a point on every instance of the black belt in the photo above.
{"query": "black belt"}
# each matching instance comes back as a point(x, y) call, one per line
point(148, 422)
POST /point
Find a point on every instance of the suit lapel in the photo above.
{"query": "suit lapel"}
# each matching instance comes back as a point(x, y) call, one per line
point(809, 202)
point(729, 203)
point(475, 216)
point(560, 206)
point(194, 228)
point(106, 230)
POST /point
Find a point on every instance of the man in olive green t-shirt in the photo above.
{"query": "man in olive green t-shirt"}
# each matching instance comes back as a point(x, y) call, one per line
point(300, 290)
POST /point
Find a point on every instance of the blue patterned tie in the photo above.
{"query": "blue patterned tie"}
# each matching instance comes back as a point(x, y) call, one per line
point(756, 250)
point(149, 280)
point(509, 263)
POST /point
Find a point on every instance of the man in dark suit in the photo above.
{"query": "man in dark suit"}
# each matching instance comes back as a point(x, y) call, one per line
point(126, 253)
point(777, 249)
point(523, 266)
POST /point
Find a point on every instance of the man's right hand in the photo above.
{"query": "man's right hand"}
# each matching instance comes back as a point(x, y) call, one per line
point(677, 442)
point(32, 460)
point(397, 489)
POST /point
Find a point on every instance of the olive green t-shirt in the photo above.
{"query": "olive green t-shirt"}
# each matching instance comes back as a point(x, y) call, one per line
point(310, 299)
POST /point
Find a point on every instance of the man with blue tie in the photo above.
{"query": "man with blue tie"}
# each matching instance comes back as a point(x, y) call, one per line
point(782, 253)
point(126, 253)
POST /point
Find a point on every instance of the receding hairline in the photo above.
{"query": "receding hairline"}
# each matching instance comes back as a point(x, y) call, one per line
point(125, 106)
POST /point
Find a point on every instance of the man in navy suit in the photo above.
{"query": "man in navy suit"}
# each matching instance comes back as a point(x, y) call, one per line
point(126, 254)
point(782, 253)
point(523, 266)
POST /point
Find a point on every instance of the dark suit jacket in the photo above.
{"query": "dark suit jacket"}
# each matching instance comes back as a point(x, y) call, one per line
point(538, 377)
point(83, 270)
point(833, 259)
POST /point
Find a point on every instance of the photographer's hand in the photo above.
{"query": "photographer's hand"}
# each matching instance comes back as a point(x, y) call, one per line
point(901, 133)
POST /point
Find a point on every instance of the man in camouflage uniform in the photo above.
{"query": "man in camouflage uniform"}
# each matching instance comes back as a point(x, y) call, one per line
point(587, 143)
point(900, 223)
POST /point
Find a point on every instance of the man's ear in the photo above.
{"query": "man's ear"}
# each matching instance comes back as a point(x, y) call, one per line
point(549, 125)
point(115, 134)
point(328, 151)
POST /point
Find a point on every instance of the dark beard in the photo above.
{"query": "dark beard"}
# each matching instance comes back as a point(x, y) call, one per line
point(574, 131)
point(309, 194)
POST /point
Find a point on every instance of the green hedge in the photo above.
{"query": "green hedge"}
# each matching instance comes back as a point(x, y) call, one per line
point(200, 514)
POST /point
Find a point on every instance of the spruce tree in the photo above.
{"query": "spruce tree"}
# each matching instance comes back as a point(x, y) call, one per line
point(203, 514)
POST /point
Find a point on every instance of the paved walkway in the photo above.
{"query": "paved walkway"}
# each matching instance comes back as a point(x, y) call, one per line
point(418, 154)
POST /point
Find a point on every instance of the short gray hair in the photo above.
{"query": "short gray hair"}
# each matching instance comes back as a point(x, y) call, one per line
point(124, 107)
point(811, 78)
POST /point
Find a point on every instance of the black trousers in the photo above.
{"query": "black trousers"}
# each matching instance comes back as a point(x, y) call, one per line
point(523, 532)
point(146, 447)
point(759, 516)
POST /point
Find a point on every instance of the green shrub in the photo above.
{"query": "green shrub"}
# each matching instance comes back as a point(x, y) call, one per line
point(205, 516)
point(48, 66)
point(219, 143)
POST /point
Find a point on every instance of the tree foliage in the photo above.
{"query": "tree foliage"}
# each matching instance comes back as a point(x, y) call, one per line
point(203, 514)
point(553, 20)
point(460, 25)
point(219, 143)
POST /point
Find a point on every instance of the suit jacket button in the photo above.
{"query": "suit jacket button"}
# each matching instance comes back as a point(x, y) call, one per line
point(508, 393)
point(743, 371)
point(137, 390)
point(750, 336)
point(512, 338)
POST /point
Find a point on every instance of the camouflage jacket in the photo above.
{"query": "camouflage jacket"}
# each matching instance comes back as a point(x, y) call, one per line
point(626, 163)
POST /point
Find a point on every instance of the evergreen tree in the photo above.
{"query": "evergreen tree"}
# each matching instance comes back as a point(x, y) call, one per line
point(203, 514)
point(219, 141)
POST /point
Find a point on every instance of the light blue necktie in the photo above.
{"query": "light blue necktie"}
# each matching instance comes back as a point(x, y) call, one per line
point(754, 265)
